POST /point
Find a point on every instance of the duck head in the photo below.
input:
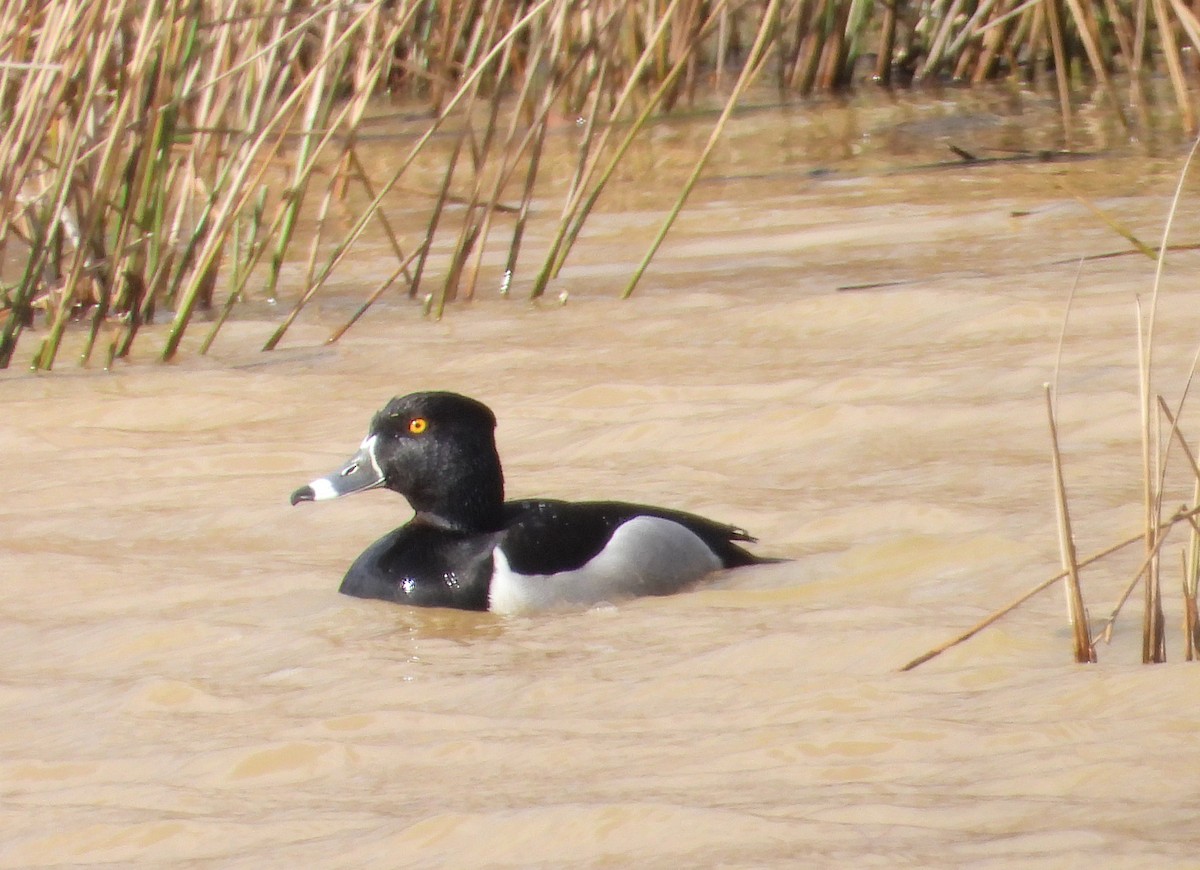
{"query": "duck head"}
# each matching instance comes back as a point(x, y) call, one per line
point(438, 450)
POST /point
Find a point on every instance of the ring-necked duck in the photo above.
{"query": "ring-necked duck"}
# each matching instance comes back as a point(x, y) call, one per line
point(467, 547)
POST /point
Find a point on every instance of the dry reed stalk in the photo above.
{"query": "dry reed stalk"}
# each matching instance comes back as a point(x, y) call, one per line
point(996, 615)
point(751, 69)
point(1154, 467)
point(350, 115)
point(941, 38)
point(1191, 585)
point(1052, 15)
point(1191, 553)
point(1108, 220)
point(316, 116)
point(1076, 611)
point(1155, 531)
point(1178, 434)
point(887, 45)
point(136, 140)
point(374, 297)
point(514, 248)
point(1174, 67)
point(471, 235)
point(534, 141)
point(1191, 616)
point(435, 217)
point(807, 58)
point(834, 49)
point(1106, 629)
point(587, 192)
point(235, 187)
point(1086, 30)
point(1151, 503)
point(978, 66)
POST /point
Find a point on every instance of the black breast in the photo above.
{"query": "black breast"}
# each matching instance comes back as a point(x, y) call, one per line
point(425, 566)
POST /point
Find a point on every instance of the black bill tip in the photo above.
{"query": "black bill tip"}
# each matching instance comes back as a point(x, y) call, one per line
point(304, 493)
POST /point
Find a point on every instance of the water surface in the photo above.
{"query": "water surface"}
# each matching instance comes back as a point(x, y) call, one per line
point(850, 366)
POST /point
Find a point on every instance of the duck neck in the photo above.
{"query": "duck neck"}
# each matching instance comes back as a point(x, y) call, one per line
point(468, 497)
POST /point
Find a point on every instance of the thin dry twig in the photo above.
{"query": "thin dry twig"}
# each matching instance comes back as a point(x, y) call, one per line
point(996, 615)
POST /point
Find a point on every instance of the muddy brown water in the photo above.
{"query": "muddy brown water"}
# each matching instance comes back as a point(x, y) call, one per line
point(183, 687)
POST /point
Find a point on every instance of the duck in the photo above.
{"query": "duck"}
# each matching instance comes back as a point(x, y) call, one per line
point(467, 548)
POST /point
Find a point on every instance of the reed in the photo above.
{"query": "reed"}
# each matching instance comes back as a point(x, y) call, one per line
point(1076, 610)
point(1154, 413)
point(167, 158)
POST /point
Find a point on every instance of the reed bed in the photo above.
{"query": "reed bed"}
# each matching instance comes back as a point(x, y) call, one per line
point(159, 158)
point(1160, 429)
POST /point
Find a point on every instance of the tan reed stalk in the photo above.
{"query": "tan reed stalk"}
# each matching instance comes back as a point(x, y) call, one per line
point(887, 45)
point(1188, 21)
point(374, 297)
point(353, 112)
point(135, 139)
point(469, 233)
point(1166, 30)
point(1108, 220)
point(478, 221)
point(1086, 30)
point(170, 270)
point(1151, 495)
point(995, 616)
point(1062, 333)
point(834, 50)
point(1052, 11)
point(91, 251)
point(724, 35)
point(1125, 35)
point(1140, 34)
point(941, 38)
point(539, 128)
point(1153, 623)
point(753, 64)
point(234, 203)
point(316, 115)
point(587, 192)
point(1191, 616)
point(978, 66)
point(359, 174)
point(1106, 629)
point(1076, 610)
point(339, 252)
point(466, 87)
point(1153, 466)
point(29, 132)
point(514, 149)
point(1153, 648)
point(1178, 434)
point(1155, 531)
point(1191, 553)
point(1190, 558)
point(436, 216)
point(242, 266)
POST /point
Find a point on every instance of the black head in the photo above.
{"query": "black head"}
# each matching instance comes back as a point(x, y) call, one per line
point(438, 450)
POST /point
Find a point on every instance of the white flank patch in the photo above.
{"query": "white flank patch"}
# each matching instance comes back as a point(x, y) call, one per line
point(645, 556)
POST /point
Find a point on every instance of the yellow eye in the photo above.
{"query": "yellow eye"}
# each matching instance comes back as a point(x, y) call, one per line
point(417, 425)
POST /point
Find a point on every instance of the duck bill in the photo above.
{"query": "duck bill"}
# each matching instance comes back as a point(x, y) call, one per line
point(360, 473)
